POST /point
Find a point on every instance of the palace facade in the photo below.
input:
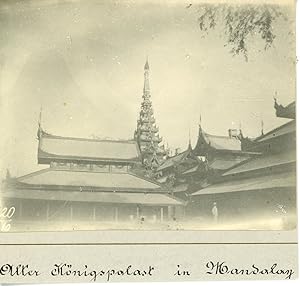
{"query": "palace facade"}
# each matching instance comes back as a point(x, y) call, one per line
point(259, 190)
point(104, 184)
point(92, 183)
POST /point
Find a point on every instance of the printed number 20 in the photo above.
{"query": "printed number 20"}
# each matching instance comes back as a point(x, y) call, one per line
point(7, 213)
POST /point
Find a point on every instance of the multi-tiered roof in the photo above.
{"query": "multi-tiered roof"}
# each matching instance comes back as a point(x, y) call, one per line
point(53, 148)
point(274, 169)
point(146, 133)
point(87, 170)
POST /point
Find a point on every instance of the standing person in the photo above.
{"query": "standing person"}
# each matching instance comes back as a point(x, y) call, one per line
point(214, 211)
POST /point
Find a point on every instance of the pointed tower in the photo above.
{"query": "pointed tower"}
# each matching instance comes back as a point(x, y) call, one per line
point(146, 133)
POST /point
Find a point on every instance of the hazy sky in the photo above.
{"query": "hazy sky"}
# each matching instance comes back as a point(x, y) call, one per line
point(83, 62)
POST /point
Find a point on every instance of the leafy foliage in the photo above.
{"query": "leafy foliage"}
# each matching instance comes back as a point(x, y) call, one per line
point(240, 22)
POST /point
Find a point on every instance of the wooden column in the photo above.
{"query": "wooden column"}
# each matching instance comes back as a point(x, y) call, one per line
point(47, 210)
point(20, 209)
point(94, 213)
point(170, 212)
point(71, 211)
point(137, 212)
point(116, 214)
point(161, 214)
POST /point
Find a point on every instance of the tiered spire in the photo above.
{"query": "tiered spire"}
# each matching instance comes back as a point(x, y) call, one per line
point(146, 133)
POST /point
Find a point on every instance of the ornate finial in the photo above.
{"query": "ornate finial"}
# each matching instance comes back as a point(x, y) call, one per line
point(40, 116)
point(146, 94)
point(275, 100)
point(40, 123)
point(262, 127)
point(200, 123)
point(190, 145)
point(146, 67)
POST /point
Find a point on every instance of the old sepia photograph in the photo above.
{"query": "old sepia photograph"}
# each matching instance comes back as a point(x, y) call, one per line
point(147, 115)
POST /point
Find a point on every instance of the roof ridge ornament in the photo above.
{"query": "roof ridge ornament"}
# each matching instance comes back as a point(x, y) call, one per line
point(190, 144)
point(40, 129)
point(262, 127)
point(146, 66)
point(275, 100)
point(200, 123)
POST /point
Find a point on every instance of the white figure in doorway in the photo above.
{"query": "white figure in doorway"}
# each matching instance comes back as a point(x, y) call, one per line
point(214, 211)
